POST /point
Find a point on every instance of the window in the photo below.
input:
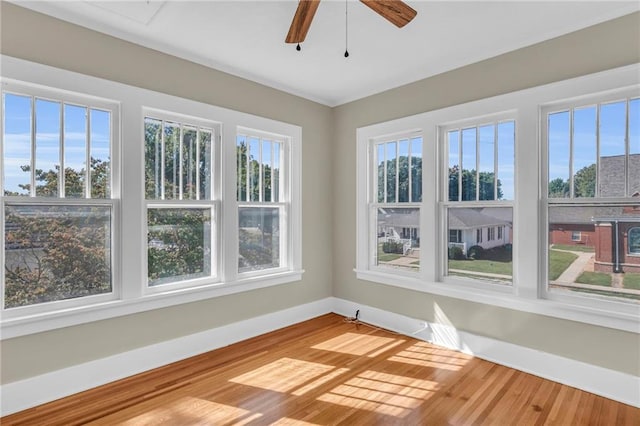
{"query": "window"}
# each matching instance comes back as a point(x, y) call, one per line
point(470, 185)
point(179, 189)
point(634, 241)
point(396, 207)
point(262, 201)
point(480, 170)
point(58, 203)
point(593, 159)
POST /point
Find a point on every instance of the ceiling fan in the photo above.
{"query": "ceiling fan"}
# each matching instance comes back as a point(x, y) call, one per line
point(395, 11)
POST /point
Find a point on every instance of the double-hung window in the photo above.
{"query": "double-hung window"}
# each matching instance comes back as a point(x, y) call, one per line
point(59, 199)
point(593, 196)
point(395, 202)
point(478, 197)
point(181, 199)
point(263, 202)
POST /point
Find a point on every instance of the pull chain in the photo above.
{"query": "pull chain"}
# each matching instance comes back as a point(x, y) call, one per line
point(346, 29)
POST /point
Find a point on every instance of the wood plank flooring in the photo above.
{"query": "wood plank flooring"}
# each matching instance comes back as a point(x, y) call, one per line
point(329, 372)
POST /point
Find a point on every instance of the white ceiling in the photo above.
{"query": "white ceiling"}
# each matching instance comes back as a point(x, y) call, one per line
point(246, 38)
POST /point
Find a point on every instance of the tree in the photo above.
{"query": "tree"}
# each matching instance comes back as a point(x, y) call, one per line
point(58, 252)
point(558, 188)
point(584, 182)
point(486, 180)
point(404, 165)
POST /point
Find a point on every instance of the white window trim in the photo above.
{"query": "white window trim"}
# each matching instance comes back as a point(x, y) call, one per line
point(529, 220)
point(130, 282)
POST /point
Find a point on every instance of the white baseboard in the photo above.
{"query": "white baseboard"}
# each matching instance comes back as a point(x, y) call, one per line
point(23, 394)
point(601, 381)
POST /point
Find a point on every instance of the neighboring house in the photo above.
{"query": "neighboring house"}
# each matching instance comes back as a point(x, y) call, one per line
point(613, 232)
point(486, 227)
point(399, 225)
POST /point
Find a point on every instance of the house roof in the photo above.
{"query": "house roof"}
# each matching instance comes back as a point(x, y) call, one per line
point(479, 217)
point(590, 214)
point(612, 175)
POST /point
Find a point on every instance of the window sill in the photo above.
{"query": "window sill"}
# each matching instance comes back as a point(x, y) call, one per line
point(626, 321)
point(25, 325)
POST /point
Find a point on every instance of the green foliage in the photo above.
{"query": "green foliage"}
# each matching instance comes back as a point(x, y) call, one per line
point(475, 252)
point(594, 278)
point(392, 247)
point(176, 243)
point(558, 188)
point(486, 180)
point(584, 182)
point(59, 254)
point(456, 253)
point(405, 165)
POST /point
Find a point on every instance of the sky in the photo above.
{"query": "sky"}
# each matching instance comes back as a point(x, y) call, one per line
point(17, 145)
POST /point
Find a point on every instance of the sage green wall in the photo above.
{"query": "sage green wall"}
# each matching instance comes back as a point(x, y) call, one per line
point(611, 44)
point(35, 37)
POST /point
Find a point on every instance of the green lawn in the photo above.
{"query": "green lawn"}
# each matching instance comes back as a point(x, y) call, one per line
point(631, 280)
point(558, 262)
point(488, 266)
point(586, 249)
point(594, 278)
point(388, 257)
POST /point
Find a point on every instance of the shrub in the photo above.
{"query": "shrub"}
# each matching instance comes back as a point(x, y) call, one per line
point(456, 253)
point(392, 247)
point(475, 252)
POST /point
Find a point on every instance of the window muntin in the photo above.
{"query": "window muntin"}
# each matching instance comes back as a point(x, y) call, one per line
point(593, 180)
point(57, 209)
point(181, 210)
point(262, 202)
point(395, 214)
point(480, 171)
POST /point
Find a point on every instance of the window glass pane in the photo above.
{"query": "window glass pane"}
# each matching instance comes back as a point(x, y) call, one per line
point(454, 165)
point(100, 154)
point(17, 144)
point(259, 245)
point(469, 164)
point(584, 152)
point(178, 244)
point(559, 144)
point(254, 169)
point(153, 158)
point(416, 170)
point(599, 262)
point(634, 147)
point(403, 171)
point(47, 165)
point(56, 253)
point(171, 160)
point(381, 172)
point(398, 241)
point(634, 241)
point(506, 160)
point(266, 170)
point(241, 154)
point(486, 136)
point(612, 129)
point(391, 172)
point(277, 149)
point(480, 252)
point(75, 150)
point(189, 166)
point(204, 164)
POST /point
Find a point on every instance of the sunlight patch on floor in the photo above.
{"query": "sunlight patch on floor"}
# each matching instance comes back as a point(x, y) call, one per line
point(319, 381)
point(358, 344)
point(190, 410)
point(286, 421)
point(283, 375)
point(383, 393)
point(422, 355)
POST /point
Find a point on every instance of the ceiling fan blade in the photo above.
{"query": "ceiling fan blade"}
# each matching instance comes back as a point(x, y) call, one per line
point(302, 21)
point(395, 11)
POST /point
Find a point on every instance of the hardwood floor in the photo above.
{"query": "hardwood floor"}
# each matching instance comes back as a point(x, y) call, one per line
point(329, 372)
